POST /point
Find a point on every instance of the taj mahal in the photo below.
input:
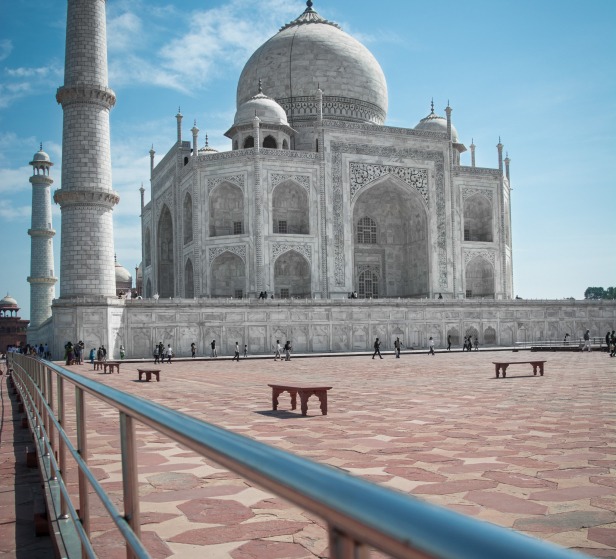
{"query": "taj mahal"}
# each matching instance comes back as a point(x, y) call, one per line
point(317, 200)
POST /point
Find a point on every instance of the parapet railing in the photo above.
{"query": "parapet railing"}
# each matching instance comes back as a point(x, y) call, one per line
point(359, 514)
point(595, 341)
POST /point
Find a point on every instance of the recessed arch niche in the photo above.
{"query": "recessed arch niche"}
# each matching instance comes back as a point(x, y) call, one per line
point(479, 278)
point(395, 245)
point(290, 210)
point(226, 210)
point(478, 219)
point(188, 218)
point(189, 280)
point(228, 275)
point(166, 278)
point(292, 276)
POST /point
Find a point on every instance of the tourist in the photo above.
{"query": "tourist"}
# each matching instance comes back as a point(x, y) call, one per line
point(464, 344)
point(608, 337)
point(397, 345)
point(287, 351)
point(448, 342)
point(104, 352)
point(476, 343)
point(277, 351)
point(69, 354)
point(122, 352)
point(169, 353)
point(92, 356)
point(613, 344)
point(586, 341)
point(213, 346)
point(156, 354)
point(47, 352)
point(77, 352)
point(431, 346)
point(237, 352)
point(377, 349)
point(245, 350)
point(193, 349)
point(440, 295)
point(565, 340)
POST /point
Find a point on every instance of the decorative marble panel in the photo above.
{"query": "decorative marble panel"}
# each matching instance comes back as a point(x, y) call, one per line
point(302, 180)
point(489, 255)
point(214, 252)
point(467, 192)
point(281, 248)
point(237, 180)
point(361, 174)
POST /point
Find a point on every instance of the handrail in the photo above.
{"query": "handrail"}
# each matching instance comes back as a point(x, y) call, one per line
point(358, 513)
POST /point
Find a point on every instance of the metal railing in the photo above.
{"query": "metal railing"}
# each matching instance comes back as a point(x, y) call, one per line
point(359, 514)
point(570, 343)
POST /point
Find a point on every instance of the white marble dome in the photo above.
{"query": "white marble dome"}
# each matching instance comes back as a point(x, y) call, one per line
point(8, 302)
point(436, 123)
point(122, 275)
point(268, 111)
point(311, 52)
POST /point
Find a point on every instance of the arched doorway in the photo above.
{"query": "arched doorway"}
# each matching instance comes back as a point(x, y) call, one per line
point(290, 211)
point(479, 278)
point(226, 210)
point(188, 219)
point(478, 219)
point(189, 281)
point(368, 285)
point(228, 276)
point(292, 276)
point(166, 279)
point(390, 239)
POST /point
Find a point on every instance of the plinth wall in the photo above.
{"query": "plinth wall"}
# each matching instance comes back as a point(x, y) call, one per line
point(316, 326)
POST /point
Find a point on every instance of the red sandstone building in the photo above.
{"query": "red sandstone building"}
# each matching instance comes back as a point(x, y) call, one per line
point(12, 328)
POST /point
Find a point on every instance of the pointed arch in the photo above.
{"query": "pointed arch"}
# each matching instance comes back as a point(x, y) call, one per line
point(270, 142)
point(228, 276)
point(249, 142)
point(489, 336)
point(479, 278)
point(226, 210)
point(391, 238)
point(478, 219)
point(368, 284)
point(148, 247)
point(189, 280)
point(455, 336)
point(166, 278)
point(292, 276)
point(187, 215)
point(290, 209)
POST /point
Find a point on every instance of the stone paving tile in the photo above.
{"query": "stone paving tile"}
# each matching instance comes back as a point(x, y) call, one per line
point(537, 454)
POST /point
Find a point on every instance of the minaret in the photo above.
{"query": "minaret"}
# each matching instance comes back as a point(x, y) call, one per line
point(499, 147)
point(87, 197)
point(473, 146)
point(41, 279)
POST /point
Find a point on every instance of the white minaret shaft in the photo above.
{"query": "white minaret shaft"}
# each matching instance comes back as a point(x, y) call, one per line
point(41, 279)
point(86, 198)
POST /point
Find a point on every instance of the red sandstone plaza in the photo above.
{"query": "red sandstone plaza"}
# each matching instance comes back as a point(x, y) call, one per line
point(532, 453)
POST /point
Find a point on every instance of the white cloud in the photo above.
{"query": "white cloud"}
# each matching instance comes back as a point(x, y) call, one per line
point(212, 41)
point(6, 47)
point(22, 82)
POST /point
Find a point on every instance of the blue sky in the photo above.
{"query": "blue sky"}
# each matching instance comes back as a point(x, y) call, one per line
point(538, 73)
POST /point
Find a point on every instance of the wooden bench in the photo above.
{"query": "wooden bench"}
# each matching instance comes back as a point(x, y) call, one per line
point(502, 366)
point(112, 365)
point(304, 391)
point(98, 365)
point(148, 374)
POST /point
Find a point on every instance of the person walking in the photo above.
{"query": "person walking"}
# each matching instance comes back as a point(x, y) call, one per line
point(156, 354)
point(92, 356)
point(277, 351)
point(586, 341)
point(448, 342)
point(237, 352)
point(245, 350)
point(213, 346)
point(613, 344)
point(377, 349)
point(431, 346)
point(169, 353)
point(608, 337)
point(476, 343)
point(122, 352)
point(193, 349)
point(397, 345)
point(287, 351)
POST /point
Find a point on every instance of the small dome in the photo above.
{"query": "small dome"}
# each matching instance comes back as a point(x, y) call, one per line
point(122, 275)
point(205, 150)
point(8, 302)
point(436, 123)
point(41, 157)
point(268, 111)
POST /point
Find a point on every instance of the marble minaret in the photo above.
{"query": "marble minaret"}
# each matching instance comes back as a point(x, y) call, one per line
point(86, 198)
point(41, 279)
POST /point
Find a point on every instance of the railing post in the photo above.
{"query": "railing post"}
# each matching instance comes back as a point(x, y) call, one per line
point(342, 546)
point(82, 448)
point(130, 479)
point(62, 447)
point(51, 434)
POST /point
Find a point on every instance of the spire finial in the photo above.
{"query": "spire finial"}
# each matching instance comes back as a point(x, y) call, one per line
point(206, 141)
point(41, 146)
point(432, 106)
point(309, 4)
point(260, 86)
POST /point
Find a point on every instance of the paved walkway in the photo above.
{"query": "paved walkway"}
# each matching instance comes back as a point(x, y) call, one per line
point(536, 454)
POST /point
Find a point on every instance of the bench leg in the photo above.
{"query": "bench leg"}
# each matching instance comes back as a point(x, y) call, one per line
point(541, 368)
point(504, 368)
point(275, 393)
point(148, 376)
point(304, 395)
point(322, 395)
point(140, 375)
point(534, 369)
point(157, 377)
point(294, 398)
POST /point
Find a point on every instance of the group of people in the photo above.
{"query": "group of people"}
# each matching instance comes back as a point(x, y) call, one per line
point(610, 342)
point(468, 343)
point(263, 295)
point(278, 349)
point(161, 353)
point(73, 353)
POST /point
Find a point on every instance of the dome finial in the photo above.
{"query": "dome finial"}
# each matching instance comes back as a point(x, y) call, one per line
point(41, 148)
point(309, 4)
point(260, 86)
point(432, 106)
point(207, 144)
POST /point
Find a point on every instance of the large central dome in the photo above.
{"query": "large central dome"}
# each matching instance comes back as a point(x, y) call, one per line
point(311, 52)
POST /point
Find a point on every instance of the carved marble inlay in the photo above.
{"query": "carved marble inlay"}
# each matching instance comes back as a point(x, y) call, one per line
point(280, 248)
point(468, 192)
point(237, 180)
point(374, 268)
point(389, 152)
point(302, 180)
point(361, 174)
point(214, 252)
point(489, 255)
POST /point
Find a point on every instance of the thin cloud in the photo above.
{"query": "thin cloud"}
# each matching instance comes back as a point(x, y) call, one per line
point(23, 82)
point(6, 47)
